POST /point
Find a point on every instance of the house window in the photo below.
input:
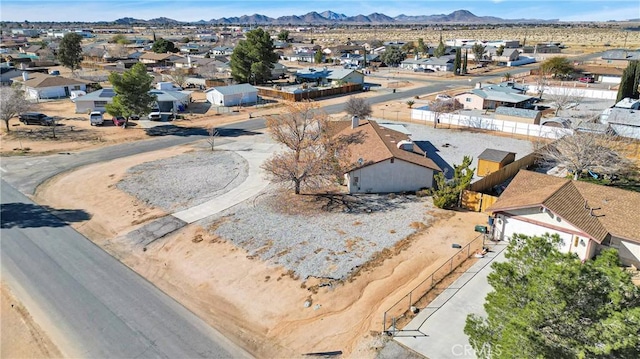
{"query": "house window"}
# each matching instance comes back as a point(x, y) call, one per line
point(99, 103)
point(76, 87)
point(355, 180)
point(468, 99)
point(392, 160)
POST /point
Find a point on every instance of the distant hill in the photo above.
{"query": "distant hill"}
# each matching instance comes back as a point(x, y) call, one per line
point(330, 17)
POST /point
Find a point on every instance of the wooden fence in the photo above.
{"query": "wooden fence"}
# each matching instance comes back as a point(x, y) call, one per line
point(475, 198)
point(311, 94)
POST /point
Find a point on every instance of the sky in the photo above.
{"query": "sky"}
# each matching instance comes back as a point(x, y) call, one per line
point(194, 10)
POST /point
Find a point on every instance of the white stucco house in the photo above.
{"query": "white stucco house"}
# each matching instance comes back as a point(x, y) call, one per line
point(232, 95)
point(39, 86)
point(587, 217)
point(383, 160)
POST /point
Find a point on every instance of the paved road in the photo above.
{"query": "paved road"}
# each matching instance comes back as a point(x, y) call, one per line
point(95, 303)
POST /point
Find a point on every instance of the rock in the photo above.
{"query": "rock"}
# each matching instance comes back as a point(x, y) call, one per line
point(316, 307)
point(307, 303)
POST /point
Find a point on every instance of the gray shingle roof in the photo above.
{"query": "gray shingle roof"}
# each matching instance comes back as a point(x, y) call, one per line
point(494, 155)
point(234, 89)
point(518, 112)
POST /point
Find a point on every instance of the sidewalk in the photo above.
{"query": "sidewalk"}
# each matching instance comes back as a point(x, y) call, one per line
point(437, 331)
point(255, 153)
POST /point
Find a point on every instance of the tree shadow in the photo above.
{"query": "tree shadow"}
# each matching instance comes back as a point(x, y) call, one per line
point(432, 153)
point(361, 203)
point(27, 215)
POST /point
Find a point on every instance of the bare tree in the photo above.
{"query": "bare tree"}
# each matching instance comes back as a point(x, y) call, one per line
point(311, 156)
point(179, 77)
point(207, 71)
point(213, 133)
point(12, 103)
point(542, 82)
point(438, 107)
point(119, 51)
point(564, 97)
point(585, 151)
point(356, 106)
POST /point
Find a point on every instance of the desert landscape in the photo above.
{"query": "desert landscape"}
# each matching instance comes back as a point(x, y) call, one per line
point(280, 275)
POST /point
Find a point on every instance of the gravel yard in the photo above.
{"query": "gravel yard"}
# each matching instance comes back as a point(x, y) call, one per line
point(449, 146)
point(323, 244)
point(186, 180)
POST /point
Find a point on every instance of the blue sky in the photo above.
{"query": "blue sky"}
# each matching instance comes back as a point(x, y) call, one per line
point(193, 10)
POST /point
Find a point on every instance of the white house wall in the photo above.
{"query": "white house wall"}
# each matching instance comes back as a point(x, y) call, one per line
point(505, 227)
point(629, 252)
point(387, 177)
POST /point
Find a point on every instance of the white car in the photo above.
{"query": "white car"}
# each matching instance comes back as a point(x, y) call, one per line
point(154, 116)
point(96, 118)
point(443, 97)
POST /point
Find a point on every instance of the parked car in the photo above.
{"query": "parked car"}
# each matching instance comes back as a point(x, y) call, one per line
point(35, 118)
point(588, 80)
point(119, 120)
point(96, 118)
point(443, 97)
point(155, 116)
point(134, 117)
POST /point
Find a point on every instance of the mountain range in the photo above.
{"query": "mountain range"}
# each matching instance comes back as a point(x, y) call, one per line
point(330, 17)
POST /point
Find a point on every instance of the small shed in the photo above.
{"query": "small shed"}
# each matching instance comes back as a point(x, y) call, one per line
point(233, 95)
point(491, 160)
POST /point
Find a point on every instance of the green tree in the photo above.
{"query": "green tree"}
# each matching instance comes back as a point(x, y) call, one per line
point(547, 304)
point(185, 40)
point(441, 49)
point(162, 46)
point(70, 51)
point(317, 57)
point(507, 76)
point(457, 62)
point(421, 48)
point(464, 61)
point(132, 90)
point(119, 39)
point(630, 81)
point(408, 47)
point(500, 50)
point(447, 192)
point(478, 51)
point(253, 58)
point(557, 66)
point(283, 35)
point(392, 56)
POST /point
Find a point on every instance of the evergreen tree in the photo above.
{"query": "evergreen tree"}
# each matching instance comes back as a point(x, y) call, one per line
point(162, 46)
point(253, 58)
point(70, 51)
point(464, 62)
point(630, 81)
point(447, 192)
point(457, 63)
point(392, 56)
point(421, 48)
point(441, 49)
point(547, 304)
point(132, 92)
point(317, 57)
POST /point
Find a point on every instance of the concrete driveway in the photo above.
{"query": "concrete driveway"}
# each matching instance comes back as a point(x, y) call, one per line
point(437, 331)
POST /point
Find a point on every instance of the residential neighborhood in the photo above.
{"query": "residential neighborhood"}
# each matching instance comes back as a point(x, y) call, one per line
point(370, 186)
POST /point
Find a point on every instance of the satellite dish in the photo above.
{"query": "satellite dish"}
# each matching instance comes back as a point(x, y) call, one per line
point(360, 161)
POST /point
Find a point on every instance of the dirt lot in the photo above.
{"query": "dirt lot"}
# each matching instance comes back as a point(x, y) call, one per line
point(258, 305)
point(21, 336)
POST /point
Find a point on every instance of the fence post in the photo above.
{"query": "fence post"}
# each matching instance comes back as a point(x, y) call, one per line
point(410, 300)
point(384, 322)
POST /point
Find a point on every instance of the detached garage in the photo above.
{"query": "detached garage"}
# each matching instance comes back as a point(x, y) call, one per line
point(233, 95)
